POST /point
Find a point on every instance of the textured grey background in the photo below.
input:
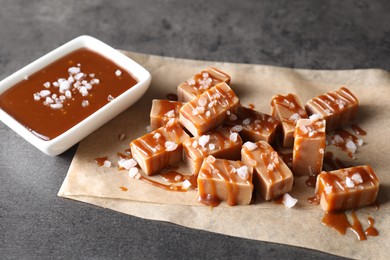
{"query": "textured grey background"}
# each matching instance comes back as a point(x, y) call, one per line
point(35, 223)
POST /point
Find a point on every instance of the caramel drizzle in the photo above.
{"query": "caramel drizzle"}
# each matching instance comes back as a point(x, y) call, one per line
point(358, 130)
point(100, 161)
point(166, 106)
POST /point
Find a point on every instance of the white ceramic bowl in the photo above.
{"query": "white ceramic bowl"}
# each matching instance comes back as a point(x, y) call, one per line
point(75, 134)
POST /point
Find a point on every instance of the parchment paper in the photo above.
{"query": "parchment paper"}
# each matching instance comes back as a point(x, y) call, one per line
point(267, 221)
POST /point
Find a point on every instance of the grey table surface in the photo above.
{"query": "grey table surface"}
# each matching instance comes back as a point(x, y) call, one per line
point(35, 223)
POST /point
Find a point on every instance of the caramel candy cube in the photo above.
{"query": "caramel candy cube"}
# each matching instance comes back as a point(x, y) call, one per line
point(337, 108)
point(224, 180)
point(200, 83)
point(159, 148)
point(347, 188)
point(162, 111)
point(252, 125)
point(271, 176)
point(288, 109)
point(309, 146)
point(208, 110)
point(220, 143)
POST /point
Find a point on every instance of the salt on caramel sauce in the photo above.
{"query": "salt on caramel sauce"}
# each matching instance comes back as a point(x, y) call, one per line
point(200, 85)
point(290, 103)
point(48, 123)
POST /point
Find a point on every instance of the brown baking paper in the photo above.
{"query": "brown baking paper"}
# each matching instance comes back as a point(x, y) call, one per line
point(267, 221)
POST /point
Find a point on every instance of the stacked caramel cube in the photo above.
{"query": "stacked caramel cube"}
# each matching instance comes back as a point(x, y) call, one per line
point(228, 148)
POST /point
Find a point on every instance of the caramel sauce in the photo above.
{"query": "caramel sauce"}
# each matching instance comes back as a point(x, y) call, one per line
point(371, 230)
point(331, 101)
point(336, 220)
point(123, 188)
point(100, 161)
point(376, 204)
point(166, 106)
point(290, 103)
point(311, 181)
point(251, 106)
point(169, 187)
point(48, 123)
point(339, 221)
point(345, 135)
point(315, 200)
point(124, 156)
point(314, 129)
point(209, 200)
point(173, 176)
point(172, 97)
point(358, 130)
point(278, 200)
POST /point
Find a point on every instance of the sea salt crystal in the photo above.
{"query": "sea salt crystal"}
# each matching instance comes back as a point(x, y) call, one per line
point(210, 159)
point(203, 140)
point(44, 93)
point(156, 135)
point(133, 171)
point(250, 146)
point(56, 106)
point(328, 189)
point(208, 113)
point(186, 184)
point(118, 73)
point(55, 84)
point(127, 163)
point(243, 173)
point(202, 101)
point(232, 117)
point(170, 146)
point(289, 201)
point(233, 137)
point(349, 183)
point(49, 100)
point(194, 144)
point(37, 96)
point(351, 146)
point(170, 113)
point(270, 167)
point(84, 103)
point(321, 150)
point(46, 84)
point(294, 117)
point(74, 70)
point(78, 76)
point(357, 178)
point(107, 164)
point(83, 91)
point(64, 85)
point(315, 117)
point(191, 82)
point(246, 121)
point(94, 81)
point(68, 94)
point(338, 139)
point(236, 128)
point(110, 98)
point(212, 147)
point(360, 142)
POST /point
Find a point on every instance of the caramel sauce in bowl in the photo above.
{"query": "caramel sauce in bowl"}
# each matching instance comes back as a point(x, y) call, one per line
point(56, 121)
